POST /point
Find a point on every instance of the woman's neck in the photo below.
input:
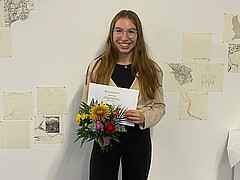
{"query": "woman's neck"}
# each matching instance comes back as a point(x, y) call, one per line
point(124, 59)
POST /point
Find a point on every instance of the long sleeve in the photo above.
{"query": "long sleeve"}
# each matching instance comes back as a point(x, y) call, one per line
point(153, 110)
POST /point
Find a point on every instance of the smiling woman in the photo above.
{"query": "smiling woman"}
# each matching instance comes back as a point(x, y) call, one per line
point(125, 63)
point(124, 36)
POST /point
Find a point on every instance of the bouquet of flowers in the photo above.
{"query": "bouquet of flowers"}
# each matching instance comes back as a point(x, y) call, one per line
point(99, 120)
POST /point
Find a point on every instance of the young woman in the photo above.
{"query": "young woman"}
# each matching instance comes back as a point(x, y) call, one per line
point(125, 63)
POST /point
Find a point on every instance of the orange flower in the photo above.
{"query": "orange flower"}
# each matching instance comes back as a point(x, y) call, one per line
point(115, 113)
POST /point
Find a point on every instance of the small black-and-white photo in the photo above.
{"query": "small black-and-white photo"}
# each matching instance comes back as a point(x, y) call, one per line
point(52, 124)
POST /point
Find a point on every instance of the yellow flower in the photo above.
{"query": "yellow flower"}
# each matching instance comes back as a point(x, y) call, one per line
point(78, 117)
point(100, 112)
point(84, 116)
point(85, 124)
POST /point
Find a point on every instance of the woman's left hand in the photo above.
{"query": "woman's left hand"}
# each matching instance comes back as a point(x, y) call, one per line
point(135, 116)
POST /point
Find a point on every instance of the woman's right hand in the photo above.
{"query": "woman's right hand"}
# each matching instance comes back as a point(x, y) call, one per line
point(106, 141)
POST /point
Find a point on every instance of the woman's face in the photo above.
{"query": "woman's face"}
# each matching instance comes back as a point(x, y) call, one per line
point(124, 35)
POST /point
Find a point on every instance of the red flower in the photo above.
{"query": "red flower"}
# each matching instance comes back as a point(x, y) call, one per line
point(110, 127)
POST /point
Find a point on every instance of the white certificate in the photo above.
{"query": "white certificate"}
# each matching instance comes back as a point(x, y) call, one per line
point(117, 96)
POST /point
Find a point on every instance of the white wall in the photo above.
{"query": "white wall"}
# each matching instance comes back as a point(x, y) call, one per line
point(56, 44)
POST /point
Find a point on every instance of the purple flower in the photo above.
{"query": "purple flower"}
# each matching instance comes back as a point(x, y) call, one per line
point(99, 125)
point(94, 103)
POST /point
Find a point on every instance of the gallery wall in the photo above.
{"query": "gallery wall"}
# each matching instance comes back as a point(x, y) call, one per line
point(53, 47)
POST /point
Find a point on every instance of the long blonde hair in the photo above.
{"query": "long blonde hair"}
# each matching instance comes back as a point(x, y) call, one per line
point(142, 66)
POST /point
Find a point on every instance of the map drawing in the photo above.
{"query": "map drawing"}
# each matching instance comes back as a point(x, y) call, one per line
point(182, 73)
point(48, 129)
point(17, 106)
point(179, 76)
point(193, 106)
point(234, 58)
point(15, 10)
point(236, 27)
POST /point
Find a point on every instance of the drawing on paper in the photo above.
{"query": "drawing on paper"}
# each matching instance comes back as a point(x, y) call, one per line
point(208, 80)
point(196, 46)
point(193, 106)
point(234, 58)
point(15, 10)
point(208, 77)
point(17, 106)
point(236, 27)
point(51, 100)
point(231, 28)
point(179, 76)
point(181, 73)
point(47, 129)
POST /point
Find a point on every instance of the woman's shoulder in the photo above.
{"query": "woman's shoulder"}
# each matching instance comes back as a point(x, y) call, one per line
point(94, 64)
point(157, 67)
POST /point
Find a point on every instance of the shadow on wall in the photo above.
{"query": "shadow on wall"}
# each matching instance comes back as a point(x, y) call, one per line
point(72, 162)
point(224, 171)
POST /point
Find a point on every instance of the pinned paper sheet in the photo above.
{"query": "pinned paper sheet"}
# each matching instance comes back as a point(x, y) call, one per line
point(17, 106)
point(5, 42)
point(17, 10)
point(196, 46)
point(14, 134)
point(193, 106)
point(48, 129)
point(231, 28)
point(51, 100)
point(179, 76)
point(1, 13)
point(209, 77)
point(233, 147)
point(234, 58)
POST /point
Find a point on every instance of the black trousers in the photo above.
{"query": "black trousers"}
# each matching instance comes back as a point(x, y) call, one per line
point(134, 151)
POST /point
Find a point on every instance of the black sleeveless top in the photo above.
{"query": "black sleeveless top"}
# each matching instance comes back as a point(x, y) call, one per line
point(122, 76)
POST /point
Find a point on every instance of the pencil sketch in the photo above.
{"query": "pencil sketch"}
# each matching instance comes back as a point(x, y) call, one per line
point(179, 76)
point(236, 27)
point(181, 73)
point(193, 106)
point(15, 10)
point(48, 129)
point(234, 58)
point(231, 28)
point(17, 106)
point(208, 77)
point(208, 80)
